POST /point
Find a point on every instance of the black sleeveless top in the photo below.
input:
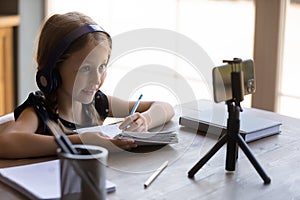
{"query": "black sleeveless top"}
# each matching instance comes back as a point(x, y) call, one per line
point(37, 101)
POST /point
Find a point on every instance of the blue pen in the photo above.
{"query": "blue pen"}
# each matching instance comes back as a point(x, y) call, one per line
point(136, 105)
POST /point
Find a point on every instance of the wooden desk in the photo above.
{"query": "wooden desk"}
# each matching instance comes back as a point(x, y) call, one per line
point(278, 155)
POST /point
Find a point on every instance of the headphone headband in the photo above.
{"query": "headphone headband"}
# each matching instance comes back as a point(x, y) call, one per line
point(45, 78)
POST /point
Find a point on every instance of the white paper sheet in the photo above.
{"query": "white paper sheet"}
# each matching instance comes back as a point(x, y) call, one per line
point(39, 180)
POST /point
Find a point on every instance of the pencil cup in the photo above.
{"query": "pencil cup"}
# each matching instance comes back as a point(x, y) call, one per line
point(83, 176)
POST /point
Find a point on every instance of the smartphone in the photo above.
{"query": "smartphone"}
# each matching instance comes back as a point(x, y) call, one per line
point(222, 79)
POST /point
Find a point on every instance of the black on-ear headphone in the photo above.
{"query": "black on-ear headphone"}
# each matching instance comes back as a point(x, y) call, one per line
point(48, 79)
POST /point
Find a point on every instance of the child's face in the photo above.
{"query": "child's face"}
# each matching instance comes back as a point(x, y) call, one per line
point(83, 73)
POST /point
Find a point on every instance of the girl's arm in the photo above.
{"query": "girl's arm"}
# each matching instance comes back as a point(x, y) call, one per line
point(158, 113)
point(149, 114)
point(19, 140)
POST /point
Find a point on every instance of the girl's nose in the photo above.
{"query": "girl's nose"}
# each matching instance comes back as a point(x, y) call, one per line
point(95, 77)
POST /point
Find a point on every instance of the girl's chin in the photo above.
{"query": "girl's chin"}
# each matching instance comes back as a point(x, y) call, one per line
point(86, 97)
point(85, 101)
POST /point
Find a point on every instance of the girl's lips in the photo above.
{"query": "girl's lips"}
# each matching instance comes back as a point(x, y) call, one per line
point(89, 92)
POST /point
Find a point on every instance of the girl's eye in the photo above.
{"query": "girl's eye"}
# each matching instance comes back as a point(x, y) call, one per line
point(84, 69)
point(102, 68)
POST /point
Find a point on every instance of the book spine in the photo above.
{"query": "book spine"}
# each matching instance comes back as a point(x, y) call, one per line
point(204, 127)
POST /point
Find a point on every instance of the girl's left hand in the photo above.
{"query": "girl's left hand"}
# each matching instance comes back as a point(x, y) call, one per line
point(136, 123)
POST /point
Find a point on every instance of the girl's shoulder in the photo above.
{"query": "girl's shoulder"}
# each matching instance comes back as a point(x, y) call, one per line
point(36, 100)
point(101, 104)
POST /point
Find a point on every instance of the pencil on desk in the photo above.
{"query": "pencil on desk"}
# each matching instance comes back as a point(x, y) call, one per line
point(155, 174)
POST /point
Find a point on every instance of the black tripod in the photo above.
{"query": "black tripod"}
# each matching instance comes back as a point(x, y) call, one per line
point(232, 137)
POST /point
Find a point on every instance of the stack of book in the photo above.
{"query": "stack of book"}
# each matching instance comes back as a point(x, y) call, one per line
point(251, 127)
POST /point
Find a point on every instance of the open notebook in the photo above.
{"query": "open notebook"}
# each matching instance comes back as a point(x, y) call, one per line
point(154, 137)
point(39, 180)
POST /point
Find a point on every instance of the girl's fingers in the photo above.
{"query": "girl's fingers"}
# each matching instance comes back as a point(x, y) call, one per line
point(130, 119)
point(135, 125)
point(127, 121)
point(124, 144)
point(134, 122)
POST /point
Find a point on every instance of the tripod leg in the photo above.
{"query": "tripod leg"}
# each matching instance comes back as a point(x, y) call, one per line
point(243, 145)
point(207, 156)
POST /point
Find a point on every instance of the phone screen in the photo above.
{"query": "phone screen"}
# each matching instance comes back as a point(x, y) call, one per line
point(222, 79)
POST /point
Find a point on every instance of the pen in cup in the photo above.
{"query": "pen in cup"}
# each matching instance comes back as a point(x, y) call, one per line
point(67, 147)
point(61, 139)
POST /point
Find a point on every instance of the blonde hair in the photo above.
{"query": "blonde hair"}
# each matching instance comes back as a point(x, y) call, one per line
point(52, 32)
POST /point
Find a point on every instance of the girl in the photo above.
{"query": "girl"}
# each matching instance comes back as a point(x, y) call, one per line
point(72, 56)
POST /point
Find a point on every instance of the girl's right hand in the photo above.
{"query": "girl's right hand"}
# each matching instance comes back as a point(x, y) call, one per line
point(102, 140)
point(124, 143)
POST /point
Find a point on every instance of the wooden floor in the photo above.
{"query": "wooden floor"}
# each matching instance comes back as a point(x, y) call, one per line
point(279, 156)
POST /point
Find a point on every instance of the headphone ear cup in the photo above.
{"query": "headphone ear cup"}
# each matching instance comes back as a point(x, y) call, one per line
point(42, 81)
point(48, 83)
